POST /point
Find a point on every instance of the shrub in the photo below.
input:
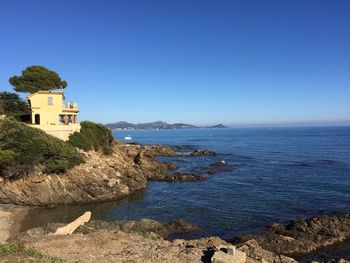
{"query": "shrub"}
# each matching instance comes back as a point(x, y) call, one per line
point(92, 136)
point(12, 252)
point(23, 147)
point(6, 156)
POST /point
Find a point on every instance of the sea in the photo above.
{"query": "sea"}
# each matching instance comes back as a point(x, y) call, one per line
point(271, 175)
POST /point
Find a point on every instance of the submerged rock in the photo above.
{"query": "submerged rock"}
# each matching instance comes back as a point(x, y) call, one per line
point(202, 152)
point(219, 163)
point(212, 171)
point(184, 147)
point(171, 166)
point(181, 177)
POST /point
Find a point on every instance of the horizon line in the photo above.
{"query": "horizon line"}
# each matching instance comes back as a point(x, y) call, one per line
point(344, 123)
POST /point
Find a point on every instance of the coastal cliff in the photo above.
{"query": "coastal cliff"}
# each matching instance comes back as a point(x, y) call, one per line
point(100, 178)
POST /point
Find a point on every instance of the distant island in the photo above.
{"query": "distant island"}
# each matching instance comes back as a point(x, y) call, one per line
point(156, 125)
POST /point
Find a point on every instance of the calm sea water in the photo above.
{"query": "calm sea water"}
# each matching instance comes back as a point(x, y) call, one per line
point(272, 175)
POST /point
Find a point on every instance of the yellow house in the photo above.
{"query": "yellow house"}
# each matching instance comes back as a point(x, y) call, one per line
point(50, 113)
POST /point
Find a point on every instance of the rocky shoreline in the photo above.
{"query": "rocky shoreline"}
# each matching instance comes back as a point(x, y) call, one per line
point(145, 241)
point(101, 178)
point(300, 237)
point(126, 171)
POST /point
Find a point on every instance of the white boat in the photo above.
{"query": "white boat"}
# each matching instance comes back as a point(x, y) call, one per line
point(128, 138)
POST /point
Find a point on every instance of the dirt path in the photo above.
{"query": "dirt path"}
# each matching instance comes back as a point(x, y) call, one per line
point(10, 221)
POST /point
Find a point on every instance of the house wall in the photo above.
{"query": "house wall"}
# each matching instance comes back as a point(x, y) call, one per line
point(49, 114)
point(60, 131)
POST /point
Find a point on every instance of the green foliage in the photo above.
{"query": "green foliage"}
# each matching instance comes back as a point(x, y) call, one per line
point(93, 136)
point(24, 147)
point(6, 156)
point(37, 78)
point(11, 103)
point(12, 252)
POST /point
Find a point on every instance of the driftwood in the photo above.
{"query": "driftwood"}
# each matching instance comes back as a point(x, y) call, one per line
point(71, 227)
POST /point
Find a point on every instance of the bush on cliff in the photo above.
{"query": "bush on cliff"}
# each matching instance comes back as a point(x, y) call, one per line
point(93, 136)
point(23, 147)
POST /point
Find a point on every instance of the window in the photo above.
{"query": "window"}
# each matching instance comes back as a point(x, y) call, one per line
point(49, 101)
point(62, 119)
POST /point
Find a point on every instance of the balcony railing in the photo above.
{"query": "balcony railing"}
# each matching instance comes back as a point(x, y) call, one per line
point(70, 106)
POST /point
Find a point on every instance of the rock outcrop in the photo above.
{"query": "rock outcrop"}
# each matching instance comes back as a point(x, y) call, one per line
point(303, 236)
point(171, 166)
point(143, 241)
point(114, 247)
point(161, 229)
point(139, 241)
point(229, 254)
point(101, 178)
point(255, 253)
point(159, 150)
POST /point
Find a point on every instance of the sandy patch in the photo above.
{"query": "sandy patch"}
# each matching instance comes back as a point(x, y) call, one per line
point(5, 224)
point(10, 221)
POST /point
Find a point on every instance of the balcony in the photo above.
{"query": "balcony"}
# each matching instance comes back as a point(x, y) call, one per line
point(70, 106)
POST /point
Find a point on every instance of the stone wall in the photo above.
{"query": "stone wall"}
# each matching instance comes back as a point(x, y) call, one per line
point(60, 131)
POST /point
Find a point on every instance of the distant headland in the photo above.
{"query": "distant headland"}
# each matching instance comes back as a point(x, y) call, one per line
point(156, 125)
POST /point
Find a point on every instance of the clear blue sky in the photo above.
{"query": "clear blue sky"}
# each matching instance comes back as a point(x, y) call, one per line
point(200, 62)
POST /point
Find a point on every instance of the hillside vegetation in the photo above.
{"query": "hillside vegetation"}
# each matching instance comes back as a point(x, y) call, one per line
point(92, 136)
point(23, 147)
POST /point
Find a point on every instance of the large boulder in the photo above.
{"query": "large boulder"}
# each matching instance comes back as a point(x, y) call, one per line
point(256, 254)
point(114, 245)
point(159, 150)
